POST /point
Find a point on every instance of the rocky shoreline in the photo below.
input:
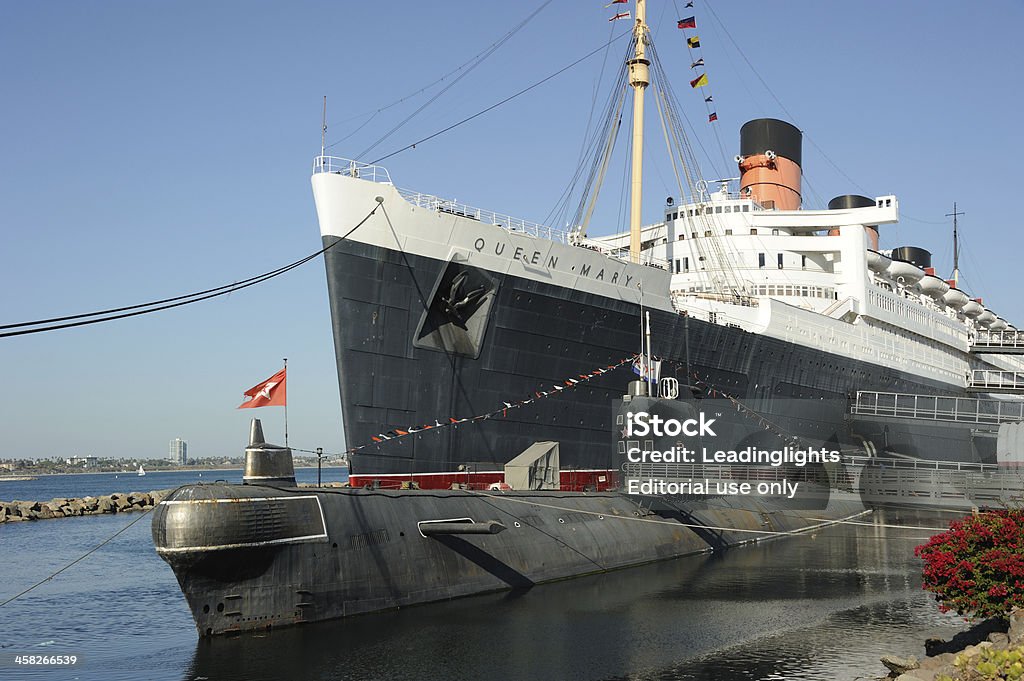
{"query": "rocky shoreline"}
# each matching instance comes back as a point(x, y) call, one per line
point(950, 659)
point(66, 507)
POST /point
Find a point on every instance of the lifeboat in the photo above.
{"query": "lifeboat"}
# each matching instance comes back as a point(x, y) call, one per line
point(955, 298)
point(878, 262)
point(933, 286)
point(999, 325)
point(972, 308)
point(986, 318)
point(904, 272)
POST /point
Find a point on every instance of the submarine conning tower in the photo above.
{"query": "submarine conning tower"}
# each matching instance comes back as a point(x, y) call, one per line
point(769, 161)
point(267, 464)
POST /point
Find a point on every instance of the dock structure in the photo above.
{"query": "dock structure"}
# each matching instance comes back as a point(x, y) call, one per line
point(944, 485)
point(996, 381)
point(967, 410)
point(1006, 342)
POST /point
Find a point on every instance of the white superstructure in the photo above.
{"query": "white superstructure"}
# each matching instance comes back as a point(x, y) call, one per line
point(810, 277)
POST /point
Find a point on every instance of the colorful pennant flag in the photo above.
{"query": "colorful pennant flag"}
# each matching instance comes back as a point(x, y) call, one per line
point(689, 4)
point(569, 384)
point(615, 2)
point(708, 98)
point(694, 41)
point(699, 81)
point(712, 117)
point(621, 15)
point(688, 22)
point(699, 62)
point(269, 393)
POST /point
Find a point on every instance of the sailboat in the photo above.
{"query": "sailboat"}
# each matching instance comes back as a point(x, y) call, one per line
point(142, 471)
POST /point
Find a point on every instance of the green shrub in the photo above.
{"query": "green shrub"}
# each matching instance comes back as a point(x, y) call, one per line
point(990, 663)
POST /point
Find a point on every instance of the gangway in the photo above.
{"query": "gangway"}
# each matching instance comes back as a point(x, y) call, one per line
point(936, 408)
point(996, 381)
point(946, 485)
point(1009, 342)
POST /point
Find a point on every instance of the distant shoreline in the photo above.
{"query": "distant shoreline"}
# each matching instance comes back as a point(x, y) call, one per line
point(32, 476)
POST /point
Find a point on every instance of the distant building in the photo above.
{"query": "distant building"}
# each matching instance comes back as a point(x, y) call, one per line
point(85, 461)
point(179, 451)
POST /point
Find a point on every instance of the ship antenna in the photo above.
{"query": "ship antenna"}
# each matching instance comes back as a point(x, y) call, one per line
point(286, 405)
point(323, 129)
point(956, 247)
point(639, 78)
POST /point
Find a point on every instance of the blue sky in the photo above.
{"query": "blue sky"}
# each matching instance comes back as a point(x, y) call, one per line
point(153, 149)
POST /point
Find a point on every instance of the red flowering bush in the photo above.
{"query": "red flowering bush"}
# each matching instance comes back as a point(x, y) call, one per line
point(976, 568)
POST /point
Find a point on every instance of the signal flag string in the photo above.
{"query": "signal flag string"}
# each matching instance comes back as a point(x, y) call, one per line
point(566, 384)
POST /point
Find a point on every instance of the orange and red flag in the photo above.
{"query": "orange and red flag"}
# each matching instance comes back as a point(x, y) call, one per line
point(270, 393)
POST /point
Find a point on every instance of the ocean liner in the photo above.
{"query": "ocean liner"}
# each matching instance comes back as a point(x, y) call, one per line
point(443, 310)
point(482, 361)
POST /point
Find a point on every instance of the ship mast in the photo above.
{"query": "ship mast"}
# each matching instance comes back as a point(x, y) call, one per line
point(956, 248)
point(639, 77)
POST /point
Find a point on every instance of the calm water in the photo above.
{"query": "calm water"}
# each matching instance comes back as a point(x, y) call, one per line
point(825, 606)
point(46, 487)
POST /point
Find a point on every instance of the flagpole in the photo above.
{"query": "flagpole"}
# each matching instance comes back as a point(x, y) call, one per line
point(286, 405)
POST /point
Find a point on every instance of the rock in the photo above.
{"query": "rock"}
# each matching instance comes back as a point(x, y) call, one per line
point(933, 663)
point(1016, 631)
point(900, 665)
point(105, 505)
point(120, 501)
point(976, 634)
point(140, 499)
point(45, 512)
point(911, 676)
point(999, 639)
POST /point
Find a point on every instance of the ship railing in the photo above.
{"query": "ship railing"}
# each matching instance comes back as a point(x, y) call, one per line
point(996, 380)
point(918, 464)
point(508, 222)
point(999, 339)
point(349, 168)
point(937, 408)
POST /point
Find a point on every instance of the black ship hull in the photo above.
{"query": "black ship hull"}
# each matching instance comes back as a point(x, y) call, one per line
point(396, 369)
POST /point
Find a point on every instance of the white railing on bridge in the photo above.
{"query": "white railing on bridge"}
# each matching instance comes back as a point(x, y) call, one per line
point(999, 339)
point(936, 408)
point(996, 380)
point(350, 168)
